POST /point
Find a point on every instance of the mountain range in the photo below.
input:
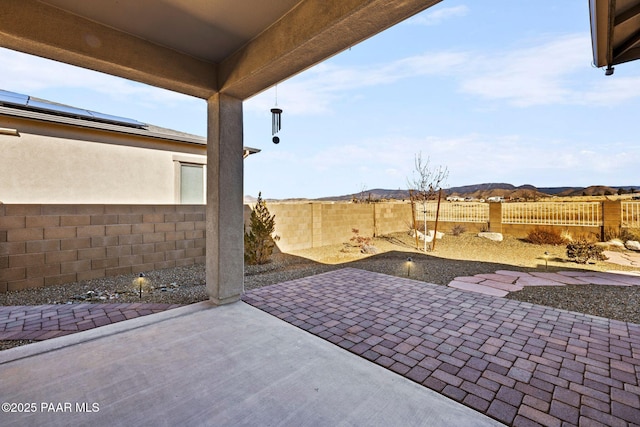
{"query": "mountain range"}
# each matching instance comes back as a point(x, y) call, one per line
point(484, 191)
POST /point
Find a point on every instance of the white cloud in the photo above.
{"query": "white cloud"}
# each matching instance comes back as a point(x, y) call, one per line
point(313, 92)
point(534, 75)
point(438, 15)
point(548, 71)
point(554, 70)
point(28, 74)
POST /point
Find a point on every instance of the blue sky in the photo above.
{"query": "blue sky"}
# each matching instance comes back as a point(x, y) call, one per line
point(496, 91)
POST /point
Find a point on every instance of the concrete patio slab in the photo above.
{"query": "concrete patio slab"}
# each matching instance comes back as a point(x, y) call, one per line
point(197, 365)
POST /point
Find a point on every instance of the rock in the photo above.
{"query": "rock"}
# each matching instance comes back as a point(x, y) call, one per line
point(616, 243)
point(496, 237)
point(429, 237)
point(632, 245)
point(439, 235)
point(369, 249)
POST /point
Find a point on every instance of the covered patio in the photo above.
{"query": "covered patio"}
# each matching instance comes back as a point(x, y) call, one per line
point(348, 347)
point(224, 362)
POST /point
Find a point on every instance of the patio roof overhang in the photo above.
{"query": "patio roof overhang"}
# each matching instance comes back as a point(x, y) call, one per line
point(615, 32)
point(223, 51)
point(199, 48)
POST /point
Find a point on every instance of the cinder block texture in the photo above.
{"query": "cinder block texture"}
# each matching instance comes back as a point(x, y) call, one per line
point(43, 245)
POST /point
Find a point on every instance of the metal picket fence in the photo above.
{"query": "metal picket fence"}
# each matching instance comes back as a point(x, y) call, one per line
point(631, 214)
point(553, 213)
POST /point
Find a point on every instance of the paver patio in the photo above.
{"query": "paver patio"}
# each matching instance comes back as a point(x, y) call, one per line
point(41, 322)
point(517, 362)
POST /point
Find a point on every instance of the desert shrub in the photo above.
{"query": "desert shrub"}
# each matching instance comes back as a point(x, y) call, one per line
point(545, 236)
point(260, 241)
point(630, 234)
point(362, 242)
point(458, 229)
point(611, 233)
point(566, 235)
point(581, 251)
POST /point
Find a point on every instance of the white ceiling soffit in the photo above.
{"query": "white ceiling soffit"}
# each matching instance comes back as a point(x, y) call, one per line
point(615, 31)
point(197, 47)
point(209, 30)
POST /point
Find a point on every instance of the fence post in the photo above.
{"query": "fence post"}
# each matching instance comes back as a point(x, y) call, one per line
point(495, 217)
point(611, 218)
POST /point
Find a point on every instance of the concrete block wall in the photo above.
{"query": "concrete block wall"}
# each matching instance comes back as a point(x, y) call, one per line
point(392, 218)
point(310, 225)
point(339, 219)
point(294, 225)
point(43, 245)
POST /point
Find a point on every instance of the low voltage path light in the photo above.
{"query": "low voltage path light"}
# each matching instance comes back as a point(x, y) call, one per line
point(409, 262)
point(140, 282)
point(546, 260)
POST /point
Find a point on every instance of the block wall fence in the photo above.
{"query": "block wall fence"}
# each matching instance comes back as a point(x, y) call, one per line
point(43, 245)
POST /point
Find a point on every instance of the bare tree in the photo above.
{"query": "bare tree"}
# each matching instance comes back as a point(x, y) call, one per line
point(425, 184)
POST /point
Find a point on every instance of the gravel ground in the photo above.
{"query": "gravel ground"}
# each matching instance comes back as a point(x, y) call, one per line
point(453, 256)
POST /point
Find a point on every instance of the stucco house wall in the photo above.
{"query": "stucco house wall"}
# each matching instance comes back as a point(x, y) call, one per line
point(48, 162)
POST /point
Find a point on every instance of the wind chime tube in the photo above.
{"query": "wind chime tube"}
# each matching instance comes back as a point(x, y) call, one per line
point(276, 120)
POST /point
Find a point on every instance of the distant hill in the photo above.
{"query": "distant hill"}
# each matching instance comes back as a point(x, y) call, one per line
point(482, 191)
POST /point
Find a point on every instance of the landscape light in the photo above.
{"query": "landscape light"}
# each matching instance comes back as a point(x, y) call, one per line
point(140, 282)
point(409, 262)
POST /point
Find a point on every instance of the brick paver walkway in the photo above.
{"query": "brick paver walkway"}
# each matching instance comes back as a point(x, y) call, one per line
point(520, 363)
point(41, 322)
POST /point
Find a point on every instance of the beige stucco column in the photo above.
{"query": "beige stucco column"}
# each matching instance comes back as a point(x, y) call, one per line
point(225, 229)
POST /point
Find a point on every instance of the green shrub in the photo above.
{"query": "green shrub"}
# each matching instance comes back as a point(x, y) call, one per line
point(581, 251)
point(545, 236)
point(260, 241)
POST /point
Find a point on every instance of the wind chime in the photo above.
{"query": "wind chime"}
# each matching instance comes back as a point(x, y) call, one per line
point(276, 120)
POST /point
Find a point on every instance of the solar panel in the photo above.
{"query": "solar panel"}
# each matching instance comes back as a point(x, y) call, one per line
point(28, 103)
point(116, 119)
point(13, 98)
point(56, 108)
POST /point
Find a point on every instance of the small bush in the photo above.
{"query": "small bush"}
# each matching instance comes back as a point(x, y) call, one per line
point(545, 236)
point(260, 241)
point(458, 229)
point(581, 251)
point(630, 234)
point(364, 243)
point(566, 235)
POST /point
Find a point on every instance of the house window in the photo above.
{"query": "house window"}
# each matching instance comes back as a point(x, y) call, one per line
point(191, 184)
point(190, 176)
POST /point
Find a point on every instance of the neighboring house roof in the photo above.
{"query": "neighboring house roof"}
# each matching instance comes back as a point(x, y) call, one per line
point(28, 107)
